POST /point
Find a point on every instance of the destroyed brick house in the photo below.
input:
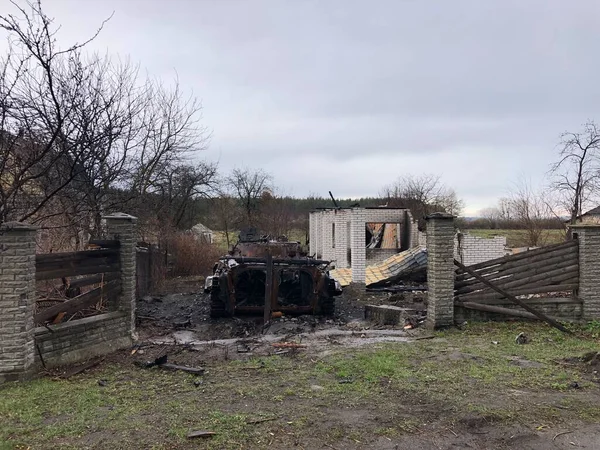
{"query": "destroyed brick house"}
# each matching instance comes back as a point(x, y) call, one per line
point(364, 243)
point(380, 245)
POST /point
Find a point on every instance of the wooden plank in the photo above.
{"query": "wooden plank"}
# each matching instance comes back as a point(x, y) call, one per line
point(550, 258)
point(75, 256)
point(75, 271)
point(80, 302)
point(526, 277)
point(104, 243)
point(200, 433)
point(556, 280)
point(514, 299)
point(516, 260)
point(88, 281)
point(516, 274)
point(522, 291)
point(500, 310)
point(192, 370)
point(71, 264)
point(524, 255)
point(529, 301)
point(551, 278)
point(95, 279)
point(554, 277)
point(509, 269)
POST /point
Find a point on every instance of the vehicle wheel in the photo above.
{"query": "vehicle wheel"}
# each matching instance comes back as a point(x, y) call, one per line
point(326, 305)
point(217, 306)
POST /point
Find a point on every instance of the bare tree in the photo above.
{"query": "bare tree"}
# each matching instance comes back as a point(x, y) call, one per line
point(576, 175)
point(85, 135)
point(224, 214)
point(276, 214)
point(492, 216)
point(249, 186)
point(529, 209)
point(423, 195)
point(39, 91)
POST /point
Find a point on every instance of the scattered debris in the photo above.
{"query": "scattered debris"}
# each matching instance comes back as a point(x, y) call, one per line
point(192, 370)
point(288, 345)
point(592, 358)
point(161, 362)
point(560, 434)
point(260, 420)
point(200, 434)
point(243, 348)
point(522, 338)
point(80, 369)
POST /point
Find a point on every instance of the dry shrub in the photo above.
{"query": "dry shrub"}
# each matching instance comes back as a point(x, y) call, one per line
point(158, 271)
point(192, 256)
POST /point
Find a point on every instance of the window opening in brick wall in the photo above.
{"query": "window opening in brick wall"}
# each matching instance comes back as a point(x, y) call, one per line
point(333, 235)
point(383, 235)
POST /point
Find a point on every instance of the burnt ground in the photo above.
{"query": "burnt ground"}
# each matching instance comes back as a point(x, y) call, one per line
point(184, 306)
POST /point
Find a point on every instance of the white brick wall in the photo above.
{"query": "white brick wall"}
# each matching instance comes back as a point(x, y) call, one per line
point(311, 234)
point(377, 255)
point(350, 234)
point(327, 222)
point(421, 238)
point(473, 250)
point(342, 238)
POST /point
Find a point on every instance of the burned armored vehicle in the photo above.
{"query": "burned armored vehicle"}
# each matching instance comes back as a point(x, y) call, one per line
point(264, 276)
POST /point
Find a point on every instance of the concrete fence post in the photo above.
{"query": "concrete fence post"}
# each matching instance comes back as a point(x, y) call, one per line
point(440, 270)
point(588, 236)
point(123, 227)
point(17, 300)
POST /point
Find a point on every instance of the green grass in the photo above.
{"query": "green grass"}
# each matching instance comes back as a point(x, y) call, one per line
point(460, 372)
point(518, 238)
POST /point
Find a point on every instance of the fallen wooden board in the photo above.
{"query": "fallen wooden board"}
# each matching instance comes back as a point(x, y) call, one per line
point(261, 420)
point(192, 370)
point(80, 369)
point(512, 298)
point(108, 290)
point(200, 433)
point(288, 345)
point(498, 309)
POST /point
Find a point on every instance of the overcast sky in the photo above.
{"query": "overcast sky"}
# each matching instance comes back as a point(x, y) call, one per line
point(348, 95)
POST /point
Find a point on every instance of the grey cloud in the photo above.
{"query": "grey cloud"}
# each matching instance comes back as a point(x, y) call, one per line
point(347, 95)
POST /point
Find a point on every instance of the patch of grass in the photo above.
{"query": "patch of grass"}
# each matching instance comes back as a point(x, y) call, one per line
point(460, 372)
point(518, 238)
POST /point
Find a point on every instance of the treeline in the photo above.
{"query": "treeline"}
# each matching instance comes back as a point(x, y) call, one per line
point(482, 223)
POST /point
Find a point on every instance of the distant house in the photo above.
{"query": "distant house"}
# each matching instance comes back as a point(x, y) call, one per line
point(592, 216)
point(202, 233)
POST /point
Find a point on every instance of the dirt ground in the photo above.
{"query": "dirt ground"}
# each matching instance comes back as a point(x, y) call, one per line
point(348, 385)
point(184, 306)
